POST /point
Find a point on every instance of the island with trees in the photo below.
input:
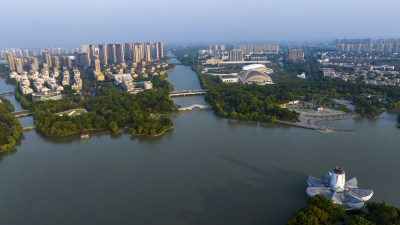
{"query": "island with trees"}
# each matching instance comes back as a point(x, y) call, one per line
point(144, 113)
point(10, 128)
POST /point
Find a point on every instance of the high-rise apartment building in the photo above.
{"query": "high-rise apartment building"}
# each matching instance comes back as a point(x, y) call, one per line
point(137, 52)
point(33, 63)
point(10, 61)
point(236, 55)
point(85, 60)
point(92, 50)
point(47, 59)
point(119, 48)
point(103, 55)
point(19, 64)
point(112, 53)
point(69, 62)
point(56, 62)
point(265, 48)
point(296, 54)
point(96, 63)
point(141, 51)
point(82, 59)
point(159, 50)
point(128, 51)
point(147, 49)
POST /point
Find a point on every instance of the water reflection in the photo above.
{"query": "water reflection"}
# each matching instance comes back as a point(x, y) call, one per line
point(244, 203)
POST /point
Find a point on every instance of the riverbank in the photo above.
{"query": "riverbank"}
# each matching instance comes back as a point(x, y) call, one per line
point(308, 122)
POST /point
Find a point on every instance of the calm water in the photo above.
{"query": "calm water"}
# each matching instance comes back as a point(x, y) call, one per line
point(207, 170)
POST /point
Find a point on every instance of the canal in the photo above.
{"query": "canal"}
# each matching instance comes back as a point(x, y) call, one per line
point(207, 170)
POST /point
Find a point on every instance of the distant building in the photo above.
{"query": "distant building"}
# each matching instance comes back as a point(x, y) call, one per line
point(92, 50)
point(56, 62)
point(112, 54)
point(49, 95)
point(128, 51)
point(66, 61)
point(103, 55)
point(119, 48)
point(85, 49)
point(229, 79)
point(265, 48)
point(47, 59)
point(159, 50)
point(236, 55)
point(147, 49)
point(82, 59)
point(137, 52)
point(10, 61)
point(33, 63)
point(18, 64)
point(296, 55)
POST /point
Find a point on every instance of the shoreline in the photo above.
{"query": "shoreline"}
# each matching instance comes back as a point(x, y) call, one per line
point(311, 123)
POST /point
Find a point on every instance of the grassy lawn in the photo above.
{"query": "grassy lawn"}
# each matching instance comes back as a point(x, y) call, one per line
point(72, 112)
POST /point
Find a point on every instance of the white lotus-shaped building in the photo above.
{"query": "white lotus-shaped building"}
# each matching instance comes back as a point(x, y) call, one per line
point(335, 187)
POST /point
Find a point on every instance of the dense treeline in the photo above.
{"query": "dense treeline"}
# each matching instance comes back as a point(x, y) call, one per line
point(370, 106)
point(187, 56)
point(10, 127)
point(321, 210)
point(6, 104)
point(250, 102)
point(113, 110)
point(23, 99)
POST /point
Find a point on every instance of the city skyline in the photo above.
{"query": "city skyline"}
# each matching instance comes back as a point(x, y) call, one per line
point(168, 21)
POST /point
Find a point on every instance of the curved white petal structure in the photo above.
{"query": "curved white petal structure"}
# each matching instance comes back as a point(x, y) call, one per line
point(338, 189)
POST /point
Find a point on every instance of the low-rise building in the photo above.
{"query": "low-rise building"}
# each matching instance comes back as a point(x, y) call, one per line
point(48, 95)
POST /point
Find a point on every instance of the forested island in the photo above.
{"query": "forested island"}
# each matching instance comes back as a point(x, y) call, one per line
point(141, 114)
point(10, 127)
point(320, 210)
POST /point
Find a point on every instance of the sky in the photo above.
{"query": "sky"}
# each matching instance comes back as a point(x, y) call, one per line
point(69, 23)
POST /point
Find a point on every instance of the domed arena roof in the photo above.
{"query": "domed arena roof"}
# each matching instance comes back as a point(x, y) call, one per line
point(254, 67)
point(254, 77)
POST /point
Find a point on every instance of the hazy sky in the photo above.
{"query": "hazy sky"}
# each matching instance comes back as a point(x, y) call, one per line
point(52, 23)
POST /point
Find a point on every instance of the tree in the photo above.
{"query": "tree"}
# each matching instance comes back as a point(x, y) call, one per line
point(382, 214)
point(113, 126)
point(357, 220)
point(318, 210)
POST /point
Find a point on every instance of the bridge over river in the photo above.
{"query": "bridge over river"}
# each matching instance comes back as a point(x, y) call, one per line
point(22, 113)
point(189, 108)
point(188, 93)
point(7, 93)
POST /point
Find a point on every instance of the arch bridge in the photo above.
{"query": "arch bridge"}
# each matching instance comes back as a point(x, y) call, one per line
point(190, 108)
